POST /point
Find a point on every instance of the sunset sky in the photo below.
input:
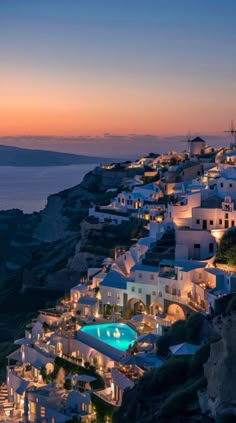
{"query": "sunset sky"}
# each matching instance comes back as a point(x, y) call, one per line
point(89, 67)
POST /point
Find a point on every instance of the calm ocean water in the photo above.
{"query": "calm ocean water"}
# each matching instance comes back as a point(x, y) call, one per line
point(27, 188)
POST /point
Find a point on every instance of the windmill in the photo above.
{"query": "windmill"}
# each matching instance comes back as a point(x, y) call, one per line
point(232, 131)
point(187, 140)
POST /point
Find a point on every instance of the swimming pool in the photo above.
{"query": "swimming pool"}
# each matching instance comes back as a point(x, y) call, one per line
point(118, 335)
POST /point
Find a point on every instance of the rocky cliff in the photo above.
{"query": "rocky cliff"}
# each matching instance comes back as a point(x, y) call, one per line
point(193, 389)
point(38, 258)
point(220, 370)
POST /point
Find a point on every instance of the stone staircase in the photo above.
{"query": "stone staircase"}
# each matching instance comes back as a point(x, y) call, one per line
point(6, 407)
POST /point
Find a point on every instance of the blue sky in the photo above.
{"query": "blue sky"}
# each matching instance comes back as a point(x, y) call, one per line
point(87, 67)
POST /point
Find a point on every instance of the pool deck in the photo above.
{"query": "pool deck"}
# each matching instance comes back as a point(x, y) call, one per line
point(100, 346)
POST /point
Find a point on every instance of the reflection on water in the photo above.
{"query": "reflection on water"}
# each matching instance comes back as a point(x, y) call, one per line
point(117, 335)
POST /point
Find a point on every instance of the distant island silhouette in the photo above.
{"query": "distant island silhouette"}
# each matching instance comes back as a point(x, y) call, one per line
point(15, 156)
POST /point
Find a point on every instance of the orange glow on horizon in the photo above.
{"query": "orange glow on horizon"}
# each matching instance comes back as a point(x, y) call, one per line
point(39, 104)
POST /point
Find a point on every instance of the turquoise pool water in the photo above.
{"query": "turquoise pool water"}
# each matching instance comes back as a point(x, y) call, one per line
point(118, 335)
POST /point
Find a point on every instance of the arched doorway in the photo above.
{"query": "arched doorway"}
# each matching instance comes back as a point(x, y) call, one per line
point(95, 359)
point(136, 306)
point(155, 308)
point(49, 368)
point(176, 312)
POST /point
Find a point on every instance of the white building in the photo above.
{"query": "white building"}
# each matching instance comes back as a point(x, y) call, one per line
point(181, 210)
point(215, 215)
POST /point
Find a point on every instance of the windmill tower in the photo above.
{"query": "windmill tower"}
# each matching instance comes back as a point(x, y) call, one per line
point(196, 145)
point(232, 131)
point(186, 141)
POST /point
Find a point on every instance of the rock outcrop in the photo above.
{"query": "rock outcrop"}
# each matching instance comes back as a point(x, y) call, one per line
point(220, 369)
point(53, 223)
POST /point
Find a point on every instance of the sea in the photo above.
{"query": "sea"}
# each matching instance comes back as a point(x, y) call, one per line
point(27, 188)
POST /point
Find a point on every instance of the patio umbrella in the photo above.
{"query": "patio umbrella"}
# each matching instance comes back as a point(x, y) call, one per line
point(85, 378)
point(69, 376)
point(133, 360)
point(149, 338)
point(107, 261)
point(138, 317)
point(23, 341)
point(184, 349)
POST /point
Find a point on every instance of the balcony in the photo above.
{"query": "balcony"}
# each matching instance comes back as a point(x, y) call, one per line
point(26, 373)
point(168, 274)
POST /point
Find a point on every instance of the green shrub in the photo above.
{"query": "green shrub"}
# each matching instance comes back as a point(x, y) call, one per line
point(68, 384)
point(73, 420)
point(193, 328)
point(198, 359)
point(103, 409)
point(177, 402)
point(226, 252)
point(177, 332)
point(174, 372)
point(231, 306)
point(181, 331)
point(163, 344)
point(72, 368)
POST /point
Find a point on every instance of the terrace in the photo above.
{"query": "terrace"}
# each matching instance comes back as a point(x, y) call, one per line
point(131, 372)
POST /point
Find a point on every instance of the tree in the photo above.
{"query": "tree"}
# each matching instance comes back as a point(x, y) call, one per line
point(226, 252)
point(73, 420)
point(231, 305)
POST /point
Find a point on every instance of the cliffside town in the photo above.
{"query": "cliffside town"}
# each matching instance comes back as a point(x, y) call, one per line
point(142, 257)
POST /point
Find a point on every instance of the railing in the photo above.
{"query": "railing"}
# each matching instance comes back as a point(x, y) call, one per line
point(107, 398)
point(111, 211)
point(196, 306)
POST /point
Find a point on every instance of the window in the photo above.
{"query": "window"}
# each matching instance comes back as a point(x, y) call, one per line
point(109, 293)
point(32, 407)
point(152, 277)
point(153, 293)
point(230, 185)
point(140, 290)
point(178, 292)
point(133, 289)
point(160, 294)
point(140, 275)
point(232, 223)
point(211, 247)
point(167, 289)
point(174, 292)
point(221, 184)
point(42, 411)
point(211, 222)
point(226, 215)
point(196, 246)
point(118, 296)
point(220, 221)
point(198, 221)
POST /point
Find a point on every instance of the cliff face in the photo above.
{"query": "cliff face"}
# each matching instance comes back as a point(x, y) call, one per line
point(53, 224)
point(63, 214)
point(220, 369)
point(38, 251)
point(42, 243)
